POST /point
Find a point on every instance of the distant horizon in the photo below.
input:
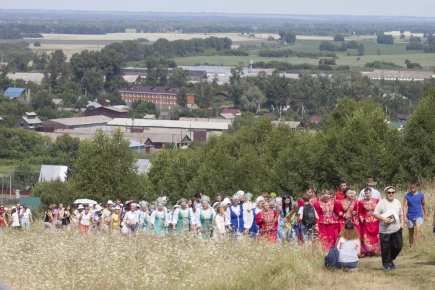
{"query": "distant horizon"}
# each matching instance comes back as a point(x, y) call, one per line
point(207, 12)
point(385, 8)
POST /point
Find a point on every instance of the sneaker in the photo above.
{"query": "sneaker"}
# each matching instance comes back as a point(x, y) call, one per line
point(387, 269)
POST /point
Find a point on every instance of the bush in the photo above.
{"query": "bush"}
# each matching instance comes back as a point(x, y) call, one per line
point(382, 64)
point(414, 46)
point(339, 37)
point(327, 61)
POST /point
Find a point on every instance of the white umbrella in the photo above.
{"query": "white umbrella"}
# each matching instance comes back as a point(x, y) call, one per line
point(84, 201)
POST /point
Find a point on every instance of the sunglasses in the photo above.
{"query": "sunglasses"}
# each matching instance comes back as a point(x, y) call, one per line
point(391, 192)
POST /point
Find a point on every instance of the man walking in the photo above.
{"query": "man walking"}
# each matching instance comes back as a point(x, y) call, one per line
point(414, 210)
point(370, 183)
point(389, 212)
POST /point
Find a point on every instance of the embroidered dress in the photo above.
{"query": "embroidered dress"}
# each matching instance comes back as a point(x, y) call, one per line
point(267, 225)
point(369, 228)
point(350, 210)
point(328, 222)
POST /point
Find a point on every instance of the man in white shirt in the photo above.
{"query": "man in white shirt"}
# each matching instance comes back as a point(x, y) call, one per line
point(370, 183)
point(389, 212)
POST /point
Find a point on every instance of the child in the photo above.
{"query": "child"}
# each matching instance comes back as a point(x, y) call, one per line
point(308, 217)
point(219, 223)
point(415, 210)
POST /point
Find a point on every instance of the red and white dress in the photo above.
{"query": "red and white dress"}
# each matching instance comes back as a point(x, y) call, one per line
point(349, 211)
point(267, 225)
point(328, 222)
point(369, 228)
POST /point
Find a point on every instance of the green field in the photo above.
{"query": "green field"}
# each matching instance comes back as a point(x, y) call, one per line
point(5, 169)
point(395, 53)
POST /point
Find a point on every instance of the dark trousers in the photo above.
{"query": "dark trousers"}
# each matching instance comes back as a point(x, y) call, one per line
point(391, 245)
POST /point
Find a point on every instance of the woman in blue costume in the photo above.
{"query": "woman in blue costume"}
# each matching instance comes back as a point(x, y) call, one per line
point(204, 218)
point(144, 217)
point(159, 218)
point(183, 219)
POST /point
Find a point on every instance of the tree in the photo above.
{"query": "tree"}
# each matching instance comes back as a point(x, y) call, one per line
point(288, 37)
point(56, 70)
point(361, 50)
point(23, 177)
point(18, 62)
point(182, 97)
point(179, 78)
point(252, 99)
point(419, 137)
point(105, 168)
point(339, 37)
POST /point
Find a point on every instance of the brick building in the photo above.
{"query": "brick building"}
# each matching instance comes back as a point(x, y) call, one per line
point(163, 98)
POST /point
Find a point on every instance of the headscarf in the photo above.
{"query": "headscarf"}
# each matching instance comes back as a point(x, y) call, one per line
point(272, 195)
point(248, 196)
point(205, 199)
point(160, 201)
point(260, 198)
point(143, 203)
point(183, 201)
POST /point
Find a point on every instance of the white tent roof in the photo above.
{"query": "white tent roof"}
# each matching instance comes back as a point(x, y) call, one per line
point(53, 172)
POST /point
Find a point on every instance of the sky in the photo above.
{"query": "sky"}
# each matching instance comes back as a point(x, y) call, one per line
point(311, 7)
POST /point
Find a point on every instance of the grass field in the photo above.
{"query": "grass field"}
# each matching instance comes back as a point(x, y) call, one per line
point(66, 260)
point(392, 53)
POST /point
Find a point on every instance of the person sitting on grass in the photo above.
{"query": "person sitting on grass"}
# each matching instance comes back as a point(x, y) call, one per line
point(349, 247)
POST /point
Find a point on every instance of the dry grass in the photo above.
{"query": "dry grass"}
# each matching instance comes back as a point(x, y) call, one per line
point(66, 260)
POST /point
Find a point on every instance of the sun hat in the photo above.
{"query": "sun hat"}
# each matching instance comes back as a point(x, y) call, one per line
point(98, 208)
point(14, 207)
point(80, 206)
point(370, 182)
point(388, 187)
point(240, 193)
point(110, 202)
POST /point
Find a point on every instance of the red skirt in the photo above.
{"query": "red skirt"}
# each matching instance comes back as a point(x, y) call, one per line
point(267, 235)
point(369, 235)
point(328, 234)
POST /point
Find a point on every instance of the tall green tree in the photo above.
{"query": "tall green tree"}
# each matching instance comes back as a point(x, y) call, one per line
point(105, 168)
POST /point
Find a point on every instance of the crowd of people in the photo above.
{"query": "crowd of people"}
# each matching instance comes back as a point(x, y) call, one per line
point(357, 225)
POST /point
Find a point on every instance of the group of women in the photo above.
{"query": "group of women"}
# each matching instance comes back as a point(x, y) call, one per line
point(268, 217)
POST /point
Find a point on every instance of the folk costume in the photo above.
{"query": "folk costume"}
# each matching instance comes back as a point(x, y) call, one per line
point(369, 228)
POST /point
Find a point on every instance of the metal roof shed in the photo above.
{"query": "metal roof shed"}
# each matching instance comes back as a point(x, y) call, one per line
point(14, 93)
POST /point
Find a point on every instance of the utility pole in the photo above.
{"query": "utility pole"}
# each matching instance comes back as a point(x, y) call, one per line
point(10, 183)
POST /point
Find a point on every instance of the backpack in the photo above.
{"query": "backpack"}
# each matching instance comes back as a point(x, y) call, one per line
point(331, 258)
point(309, 216)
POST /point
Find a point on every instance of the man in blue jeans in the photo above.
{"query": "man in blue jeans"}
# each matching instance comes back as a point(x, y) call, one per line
point(415, 210)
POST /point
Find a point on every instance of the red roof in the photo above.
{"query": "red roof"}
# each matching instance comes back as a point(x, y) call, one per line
point(316, 119)
point(230, 111)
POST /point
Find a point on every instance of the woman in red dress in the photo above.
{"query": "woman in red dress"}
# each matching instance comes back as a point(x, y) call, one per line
point(327, 209)
point(369, 226)
point(267, 221)
point(349, 209)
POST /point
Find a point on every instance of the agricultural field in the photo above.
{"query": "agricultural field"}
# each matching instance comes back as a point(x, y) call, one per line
point(395, 53)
